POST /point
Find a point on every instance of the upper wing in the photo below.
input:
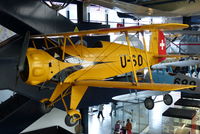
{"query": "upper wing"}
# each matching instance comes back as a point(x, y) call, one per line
point(129, 85)
point(168, 26)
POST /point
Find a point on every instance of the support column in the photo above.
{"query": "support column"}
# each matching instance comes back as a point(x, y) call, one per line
point(81, 12)
point(123, 22)
point(88, 18)
point(186, 20)
point(68, 14)
point(107, 17)
point(84, 121)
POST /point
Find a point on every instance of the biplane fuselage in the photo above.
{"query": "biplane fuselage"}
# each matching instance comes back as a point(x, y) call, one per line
point(100, 63)
point(82, 63)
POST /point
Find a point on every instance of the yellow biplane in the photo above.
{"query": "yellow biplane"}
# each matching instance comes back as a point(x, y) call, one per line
point(77, 66)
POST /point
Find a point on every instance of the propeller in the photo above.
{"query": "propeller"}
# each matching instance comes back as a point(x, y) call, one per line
point(22, 56)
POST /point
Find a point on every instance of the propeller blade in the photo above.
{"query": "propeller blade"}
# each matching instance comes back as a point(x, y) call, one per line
point(23, 52)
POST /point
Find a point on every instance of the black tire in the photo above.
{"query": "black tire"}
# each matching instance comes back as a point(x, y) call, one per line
point(149, 103)
point(167, 98)
point(69, 120)
point(45, 107)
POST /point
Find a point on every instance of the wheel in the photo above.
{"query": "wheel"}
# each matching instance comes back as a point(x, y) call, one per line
point(167, 98)
point(46, 107)
point(149, 103)
point(72, 120)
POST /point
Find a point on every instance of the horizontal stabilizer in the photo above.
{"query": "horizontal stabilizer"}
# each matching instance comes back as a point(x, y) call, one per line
point(129, 85)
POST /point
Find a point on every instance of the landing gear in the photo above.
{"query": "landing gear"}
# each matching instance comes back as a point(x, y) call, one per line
point(45, 106)
point(72, 118)
point(167, 98)
point(149, 103)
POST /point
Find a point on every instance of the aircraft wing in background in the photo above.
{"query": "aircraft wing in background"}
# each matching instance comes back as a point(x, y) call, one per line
point(176, 64)
point(168, 8)
point(187, 32)
point(139, 95)
point(138, 10)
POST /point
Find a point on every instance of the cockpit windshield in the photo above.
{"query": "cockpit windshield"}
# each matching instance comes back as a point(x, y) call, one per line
point(134, 41)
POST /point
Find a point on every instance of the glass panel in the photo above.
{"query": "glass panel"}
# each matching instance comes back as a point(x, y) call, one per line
point(135, 112)
point(175, 125)
point(181, 126)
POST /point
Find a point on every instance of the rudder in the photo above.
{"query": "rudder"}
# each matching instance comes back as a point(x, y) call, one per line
point(158, 44)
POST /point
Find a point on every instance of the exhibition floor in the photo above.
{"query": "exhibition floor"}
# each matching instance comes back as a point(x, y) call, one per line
point(157, 122)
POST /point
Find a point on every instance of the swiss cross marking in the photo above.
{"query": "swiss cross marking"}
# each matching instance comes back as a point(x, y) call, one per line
point(162, 44)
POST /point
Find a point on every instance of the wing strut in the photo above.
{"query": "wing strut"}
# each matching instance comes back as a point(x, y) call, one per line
point(64, 44)
point(71, 42)
point(147, 57)
point(130, 55)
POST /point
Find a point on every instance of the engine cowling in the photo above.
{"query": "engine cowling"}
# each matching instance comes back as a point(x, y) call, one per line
point(40, 66)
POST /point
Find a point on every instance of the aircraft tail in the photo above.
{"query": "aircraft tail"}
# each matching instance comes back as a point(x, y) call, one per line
point(158, 44)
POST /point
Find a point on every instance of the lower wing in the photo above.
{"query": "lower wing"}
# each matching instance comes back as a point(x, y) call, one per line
point(129, 85)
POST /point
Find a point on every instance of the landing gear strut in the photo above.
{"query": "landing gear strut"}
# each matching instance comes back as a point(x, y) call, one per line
point(72, 117)
point(46, 106)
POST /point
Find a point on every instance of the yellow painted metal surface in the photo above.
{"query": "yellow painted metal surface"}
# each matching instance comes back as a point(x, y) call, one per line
point(76, 95)
point(129, 85)
point(42, 66)
point(60, 88)
point(168, 26)
point(110, 60)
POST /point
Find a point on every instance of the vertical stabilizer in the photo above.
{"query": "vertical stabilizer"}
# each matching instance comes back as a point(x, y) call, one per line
point(158, 44)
